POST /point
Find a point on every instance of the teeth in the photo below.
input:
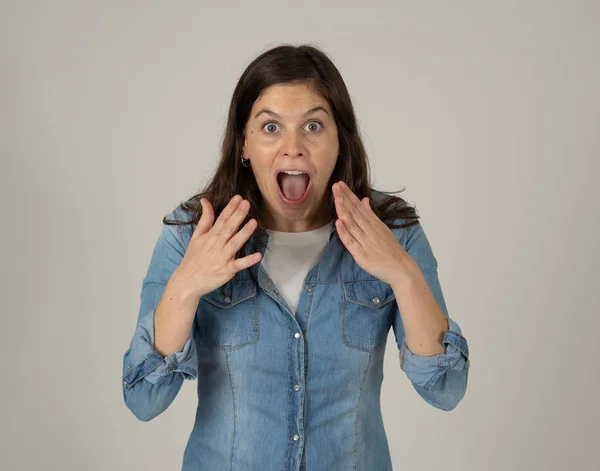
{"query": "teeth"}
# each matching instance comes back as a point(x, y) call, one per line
point(292, 172)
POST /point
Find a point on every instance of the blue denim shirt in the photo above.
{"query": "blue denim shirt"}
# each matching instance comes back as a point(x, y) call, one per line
point(284, 392)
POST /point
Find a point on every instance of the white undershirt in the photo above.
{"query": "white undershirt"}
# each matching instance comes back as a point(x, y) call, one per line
point(290, 255)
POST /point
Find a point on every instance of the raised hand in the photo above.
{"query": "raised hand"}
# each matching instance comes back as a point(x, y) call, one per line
point(368, 239)
point(210, 261)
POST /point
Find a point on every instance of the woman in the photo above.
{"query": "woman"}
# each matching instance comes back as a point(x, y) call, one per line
point(284, 321)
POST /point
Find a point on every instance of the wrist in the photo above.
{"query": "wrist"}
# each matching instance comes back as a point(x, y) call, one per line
point(406, 275)
point(179, 287)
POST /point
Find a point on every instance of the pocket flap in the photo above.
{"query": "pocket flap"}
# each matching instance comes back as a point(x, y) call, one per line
point(234, 292)
point(371, 293)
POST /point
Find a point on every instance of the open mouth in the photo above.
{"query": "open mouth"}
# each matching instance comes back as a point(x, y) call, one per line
point(293, 186)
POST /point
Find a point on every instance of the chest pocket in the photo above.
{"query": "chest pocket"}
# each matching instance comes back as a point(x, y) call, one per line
point(367, 310)
point(228, 317)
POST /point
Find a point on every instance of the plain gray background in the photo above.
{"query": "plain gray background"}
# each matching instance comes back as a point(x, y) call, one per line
point(486, 112)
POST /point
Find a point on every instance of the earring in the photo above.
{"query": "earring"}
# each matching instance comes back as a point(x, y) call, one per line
point(247, 160)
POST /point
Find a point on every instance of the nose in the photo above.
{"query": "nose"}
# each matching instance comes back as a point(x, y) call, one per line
point(293, 144)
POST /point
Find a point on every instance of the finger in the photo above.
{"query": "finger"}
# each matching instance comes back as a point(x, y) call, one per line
point(357, 211)
point(345, 191)
point(226, 214)
point(349, 241)
point(232, 224)
point(206, 219)
point(236, 242)
point(245, 262)
point(349, 221)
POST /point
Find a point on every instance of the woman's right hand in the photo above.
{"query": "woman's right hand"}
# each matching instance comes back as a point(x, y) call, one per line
point(209, 261)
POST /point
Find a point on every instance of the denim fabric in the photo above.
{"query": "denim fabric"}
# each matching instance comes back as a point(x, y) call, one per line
point(284, 392)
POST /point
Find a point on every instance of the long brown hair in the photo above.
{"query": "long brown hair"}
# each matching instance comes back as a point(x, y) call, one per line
point(288, 64)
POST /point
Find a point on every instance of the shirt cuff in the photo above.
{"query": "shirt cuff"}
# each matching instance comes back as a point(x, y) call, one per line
point(425, 371)
point(145, 362)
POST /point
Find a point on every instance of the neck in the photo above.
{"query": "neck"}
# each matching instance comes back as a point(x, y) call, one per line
point(315, 221)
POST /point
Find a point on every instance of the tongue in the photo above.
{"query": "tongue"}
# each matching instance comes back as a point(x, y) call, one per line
point(293, 186)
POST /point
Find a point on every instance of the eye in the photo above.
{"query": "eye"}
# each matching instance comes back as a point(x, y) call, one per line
point(314, 126)
point(270, 127)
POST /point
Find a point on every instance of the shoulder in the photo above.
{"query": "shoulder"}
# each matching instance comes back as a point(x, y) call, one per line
point(180, 223)
point(405, 222)
point(412, 236)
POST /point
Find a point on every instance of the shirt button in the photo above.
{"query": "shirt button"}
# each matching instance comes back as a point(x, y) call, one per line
point(297, 335)
point(309, 288)
point(296, 387)
point(276, 292)
point(296, 437)
point(376, 300)
point(227, 299)
point(124, 384)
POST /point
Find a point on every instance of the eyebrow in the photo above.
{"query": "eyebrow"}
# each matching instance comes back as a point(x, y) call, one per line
point(275, 115)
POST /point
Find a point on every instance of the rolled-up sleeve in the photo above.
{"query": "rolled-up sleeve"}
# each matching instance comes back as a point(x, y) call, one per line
point(426, 371)
point(142, 361)
point(441, 380)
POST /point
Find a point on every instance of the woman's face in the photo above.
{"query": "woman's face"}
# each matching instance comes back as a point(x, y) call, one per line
point(291, 127)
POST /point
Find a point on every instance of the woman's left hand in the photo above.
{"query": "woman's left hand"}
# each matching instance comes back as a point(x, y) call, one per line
point(367, 238)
